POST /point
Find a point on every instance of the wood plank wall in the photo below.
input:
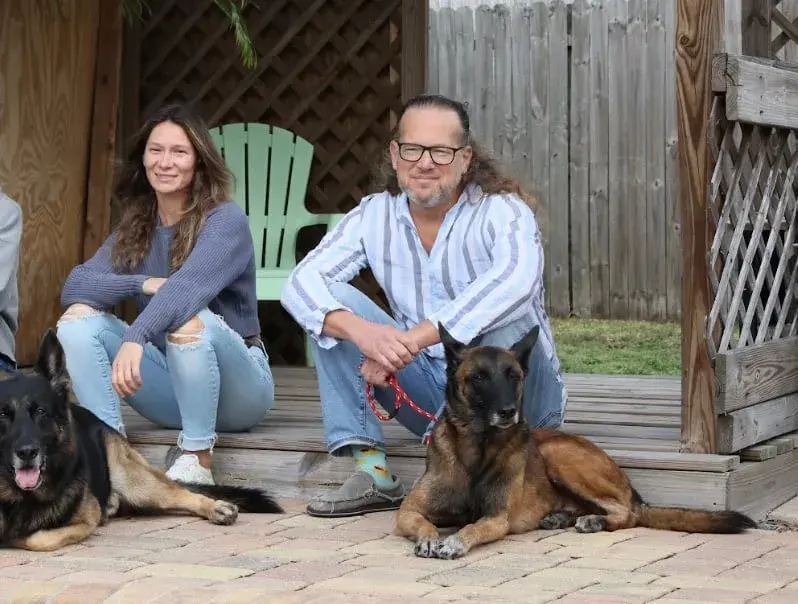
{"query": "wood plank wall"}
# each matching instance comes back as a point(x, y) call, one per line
point(47, 62)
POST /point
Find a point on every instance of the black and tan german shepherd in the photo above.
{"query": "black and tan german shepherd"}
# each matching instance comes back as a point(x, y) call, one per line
point(63, 472)
point(489, 475)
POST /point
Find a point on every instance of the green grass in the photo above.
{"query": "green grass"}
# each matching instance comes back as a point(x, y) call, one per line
point(618, 347)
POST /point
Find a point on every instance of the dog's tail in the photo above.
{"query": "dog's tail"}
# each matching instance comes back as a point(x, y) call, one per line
point(693, 521)
point(248, 499)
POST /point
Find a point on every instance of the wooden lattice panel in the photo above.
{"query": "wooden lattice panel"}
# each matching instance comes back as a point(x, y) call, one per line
point(752, 216)
point(784, 29)
point(329, 70)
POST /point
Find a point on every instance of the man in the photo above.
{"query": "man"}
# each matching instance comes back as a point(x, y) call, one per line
point(10, 238)
point(450, 240)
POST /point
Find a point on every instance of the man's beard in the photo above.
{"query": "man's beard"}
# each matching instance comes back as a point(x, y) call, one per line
point(434, 200)
point(430, 202)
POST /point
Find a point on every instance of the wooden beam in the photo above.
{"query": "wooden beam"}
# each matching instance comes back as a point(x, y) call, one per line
point(107, 76)
point(757, 488)
point(698, 26)
point(756, 424)
point(415, 22)
point(755, 374)
point(758, 91)
point(279, 470)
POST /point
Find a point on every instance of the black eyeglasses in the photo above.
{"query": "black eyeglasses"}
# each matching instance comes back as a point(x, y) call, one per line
point(439, 154)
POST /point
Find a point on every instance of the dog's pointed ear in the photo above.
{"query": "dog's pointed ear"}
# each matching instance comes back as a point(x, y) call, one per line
point(523, 347)
point(452, 347)
point(51, 362)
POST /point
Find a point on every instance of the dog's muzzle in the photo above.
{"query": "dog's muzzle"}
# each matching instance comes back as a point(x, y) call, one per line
point(505, 418)
point(28, 467)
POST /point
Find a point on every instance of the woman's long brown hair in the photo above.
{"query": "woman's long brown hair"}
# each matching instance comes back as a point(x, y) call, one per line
point(210, 187)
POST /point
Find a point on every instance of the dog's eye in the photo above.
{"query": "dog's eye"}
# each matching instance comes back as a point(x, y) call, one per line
point(39, 412)
point(478, 376)
point(5, 413)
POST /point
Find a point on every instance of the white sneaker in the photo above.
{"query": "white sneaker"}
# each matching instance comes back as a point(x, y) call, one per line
point(187, 469)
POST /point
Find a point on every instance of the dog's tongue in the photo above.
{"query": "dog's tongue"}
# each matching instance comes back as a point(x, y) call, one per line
point(27, 478)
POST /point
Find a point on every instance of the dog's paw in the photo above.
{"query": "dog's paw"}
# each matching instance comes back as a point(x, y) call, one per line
point(590, 524)
point(452, 547)
point(556, 520)
point(112, 508)
point(224, 512)
point(427, 548)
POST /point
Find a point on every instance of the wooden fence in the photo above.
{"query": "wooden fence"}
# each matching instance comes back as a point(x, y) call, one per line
point(578, 98)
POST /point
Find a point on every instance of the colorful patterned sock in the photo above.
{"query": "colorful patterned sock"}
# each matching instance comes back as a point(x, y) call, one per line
point(373, 461)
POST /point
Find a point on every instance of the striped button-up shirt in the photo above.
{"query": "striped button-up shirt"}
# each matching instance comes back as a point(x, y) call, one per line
point(483, 272)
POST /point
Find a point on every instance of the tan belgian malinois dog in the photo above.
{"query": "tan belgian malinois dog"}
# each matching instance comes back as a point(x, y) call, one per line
point(490, 475)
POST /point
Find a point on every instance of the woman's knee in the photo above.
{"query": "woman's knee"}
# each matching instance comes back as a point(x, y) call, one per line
point(189, 332)
point(79, 311)
point(80, 323)
point(247, 414)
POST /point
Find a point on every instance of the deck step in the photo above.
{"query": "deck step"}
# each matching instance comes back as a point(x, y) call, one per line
point(635, 419)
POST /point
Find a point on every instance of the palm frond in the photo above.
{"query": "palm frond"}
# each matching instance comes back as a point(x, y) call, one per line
point(134, 10)
point(233, 10)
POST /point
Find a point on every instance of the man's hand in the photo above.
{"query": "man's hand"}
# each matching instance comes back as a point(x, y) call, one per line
point(391, 348)
point(425, 334)
point(152, 285)
point(374, 373)
point(126, 370)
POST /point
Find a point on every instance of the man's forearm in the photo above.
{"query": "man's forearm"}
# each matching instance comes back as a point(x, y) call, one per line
point(425, 334)
point(341, 324)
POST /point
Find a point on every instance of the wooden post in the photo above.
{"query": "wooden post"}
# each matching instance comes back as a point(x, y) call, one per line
point(755, 26)
point(107, 75)
point(698, 26)
point(415, 22)
point(747, 27)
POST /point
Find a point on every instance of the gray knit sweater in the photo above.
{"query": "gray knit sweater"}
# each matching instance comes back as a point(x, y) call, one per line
point(10, 239)
point(219, 273)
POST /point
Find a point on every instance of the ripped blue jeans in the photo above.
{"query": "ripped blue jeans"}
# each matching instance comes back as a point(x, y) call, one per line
point(201, 383)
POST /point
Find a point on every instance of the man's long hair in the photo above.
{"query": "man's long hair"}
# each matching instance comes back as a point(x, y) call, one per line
point(484, 170)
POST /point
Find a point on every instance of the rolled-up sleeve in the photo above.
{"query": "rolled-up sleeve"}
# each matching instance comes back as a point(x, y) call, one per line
point(339, 257)
point(501, 293)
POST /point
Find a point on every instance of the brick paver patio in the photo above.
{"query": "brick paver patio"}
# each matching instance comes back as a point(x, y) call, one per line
point(292, 557)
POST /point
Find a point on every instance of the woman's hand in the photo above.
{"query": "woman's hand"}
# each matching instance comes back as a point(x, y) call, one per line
point(126, 370)
point(152, 285)
point(374, 373)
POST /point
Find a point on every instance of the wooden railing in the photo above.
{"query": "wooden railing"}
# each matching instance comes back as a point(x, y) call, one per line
point(752, 325)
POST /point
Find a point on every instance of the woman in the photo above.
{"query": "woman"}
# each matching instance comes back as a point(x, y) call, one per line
point(193, 359)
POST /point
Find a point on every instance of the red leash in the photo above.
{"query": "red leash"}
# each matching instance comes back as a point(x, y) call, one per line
point(401, 397)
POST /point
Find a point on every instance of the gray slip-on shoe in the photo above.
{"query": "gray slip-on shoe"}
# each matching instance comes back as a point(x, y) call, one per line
point(357, 495)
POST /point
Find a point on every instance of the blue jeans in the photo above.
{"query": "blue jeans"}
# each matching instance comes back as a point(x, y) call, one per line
point(349, 420)
point(198, 387)
point(6, 365)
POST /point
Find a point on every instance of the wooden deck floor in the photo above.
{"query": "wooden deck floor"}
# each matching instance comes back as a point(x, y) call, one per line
point(635, 418)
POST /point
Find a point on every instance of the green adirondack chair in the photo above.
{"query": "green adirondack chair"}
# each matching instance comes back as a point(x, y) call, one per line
point(271, 166)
